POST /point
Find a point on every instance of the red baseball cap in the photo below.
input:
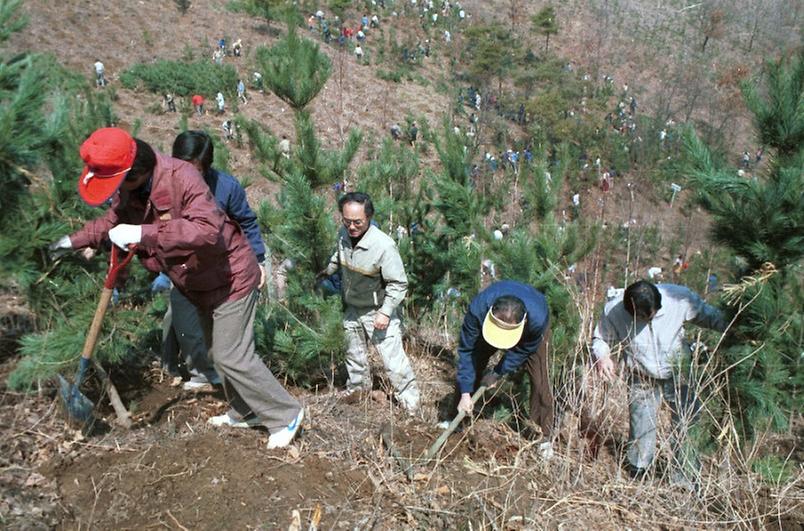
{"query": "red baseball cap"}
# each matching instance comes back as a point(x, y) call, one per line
point(108, 154)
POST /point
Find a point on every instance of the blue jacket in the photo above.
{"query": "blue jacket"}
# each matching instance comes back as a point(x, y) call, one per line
point(472, 336)
point(231, 197)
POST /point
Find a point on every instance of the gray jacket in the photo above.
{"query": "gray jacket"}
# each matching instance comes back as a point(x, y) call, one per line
point(372, 273)
point(653, 348)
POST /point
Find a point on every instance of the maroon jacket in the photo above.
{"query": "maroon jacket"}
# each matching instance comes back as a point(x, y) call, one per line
point(184, 233)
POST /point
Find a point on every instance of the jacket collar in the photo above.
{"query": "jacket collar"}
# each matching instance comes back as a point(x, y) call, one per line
point(366, 241)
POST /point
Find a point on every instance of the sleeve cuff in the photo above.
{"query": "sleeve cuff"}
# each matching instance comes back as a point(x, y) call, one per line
point(600, 351)
point(79, 241)
point(463, 388)
point(149, 236)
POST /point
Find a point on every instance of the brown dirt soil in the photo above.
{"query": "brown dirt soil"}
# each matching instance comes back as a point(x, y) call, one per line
point(207, 481)
point(173, 470)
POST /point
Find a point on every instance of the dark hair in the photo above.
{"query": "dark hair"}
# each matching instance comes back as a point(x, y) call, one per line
point(357, 197)
point(144, 162)
point(642, 299)
point(509, 309)
point(195, 146)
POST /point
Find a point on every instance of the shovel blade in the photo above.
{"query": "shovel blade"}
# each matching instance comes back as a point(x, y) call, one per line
point(78, 406)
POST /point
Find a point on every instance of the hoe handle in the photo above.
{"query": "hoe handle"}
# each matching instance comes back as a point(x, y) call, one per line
point(452, 426)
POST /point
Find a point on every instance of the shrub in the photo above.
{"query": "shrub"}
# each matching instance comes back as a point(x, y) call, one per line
point(180, 78)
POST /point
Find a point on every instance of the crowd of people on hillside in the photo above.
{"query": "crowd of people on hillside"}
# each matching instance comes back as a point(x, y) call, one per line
point(197, 100)
point(355, 34)
point(343, 32)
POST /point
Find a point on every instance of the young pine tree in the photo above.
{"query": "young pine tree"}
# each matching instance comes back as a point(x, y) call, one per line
point(296, 71)
point(39, 167)
point(544, 23)
point(761, 220)
point(305, 327)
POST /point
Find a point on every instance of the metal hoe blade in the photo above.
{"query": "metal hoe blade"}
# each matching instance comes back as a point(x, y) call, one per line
point(78, 406)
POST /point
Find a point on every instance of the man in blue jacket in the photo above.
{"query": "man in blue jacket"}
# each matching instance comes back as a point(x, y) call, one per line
point(181, 328)
point(513, 317)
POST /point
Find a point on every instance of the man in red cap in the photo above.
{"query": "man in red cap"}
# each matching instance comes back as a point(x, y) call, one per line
point(163, 206)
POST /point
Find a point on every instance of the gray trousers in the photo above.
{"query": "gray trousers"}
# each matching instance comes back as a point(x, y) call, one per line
point(645, 396)
point(249, 385)
point(181, 333)
point(359, 329)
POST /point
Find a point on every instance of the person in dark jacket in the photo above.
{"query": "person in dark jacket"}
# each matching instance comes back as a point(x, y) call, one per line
point(181, 330)
point(163, 206)
point(512, 317)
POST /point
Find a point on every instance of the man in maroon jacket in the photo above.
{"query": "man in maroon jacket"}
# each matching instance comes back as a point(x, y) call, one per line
point(163, 206)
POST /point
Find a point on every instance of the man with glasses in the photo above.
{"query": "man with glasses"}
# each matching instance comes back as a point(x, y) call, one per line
point(373, 284)
point(647, 323)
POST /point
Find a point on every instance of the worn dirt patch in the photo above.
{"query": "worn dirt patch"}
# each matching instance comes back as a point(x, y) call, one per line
point(209, 480)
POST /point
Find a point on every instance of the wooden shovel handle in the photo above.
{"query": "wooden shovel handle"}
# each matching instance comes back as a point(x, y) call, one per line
point(106, 296)
point(97, 321)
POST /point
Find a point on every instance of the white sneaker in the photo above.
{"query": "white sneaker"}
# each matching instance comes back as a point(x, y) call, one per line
point(192, 385)
point(199, 381)
point(227, 420)
point(284, 437)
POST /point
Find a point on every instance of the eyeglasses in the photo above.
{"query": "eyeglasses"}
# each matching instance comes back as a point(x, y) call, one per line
point(356, 222)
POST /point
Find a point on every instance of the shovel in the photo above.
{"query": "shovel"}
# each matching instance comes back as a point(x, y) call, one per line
point(78, 406)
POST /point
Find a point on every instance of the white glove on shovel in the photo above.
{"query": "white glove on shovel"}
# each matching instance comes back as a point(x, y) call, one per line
point(124, 235)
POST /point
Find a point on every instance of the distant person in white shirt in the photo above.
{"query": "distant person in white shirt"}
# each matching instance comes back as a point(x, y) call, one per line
point(221, 102)
point(655, 274)
point(284, 146)
point(100, 71)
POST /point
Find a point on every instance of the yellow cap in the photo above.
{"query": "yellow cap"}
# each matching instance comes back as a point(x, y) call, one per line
point(502, 335)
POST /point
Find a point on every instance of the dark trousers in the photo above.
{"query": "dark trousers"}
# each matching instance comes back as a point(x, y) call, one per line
point(542, 405)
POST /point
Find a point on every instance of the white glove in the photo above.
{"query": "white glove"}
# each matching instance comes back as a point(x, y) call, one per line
point(60, 246)
point(545, 450)
point(124, 235)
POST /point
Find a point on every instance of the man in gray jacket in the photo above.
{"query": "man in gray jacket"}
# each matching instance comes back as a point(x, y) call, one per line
point(647, 323)
point(373, 284)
